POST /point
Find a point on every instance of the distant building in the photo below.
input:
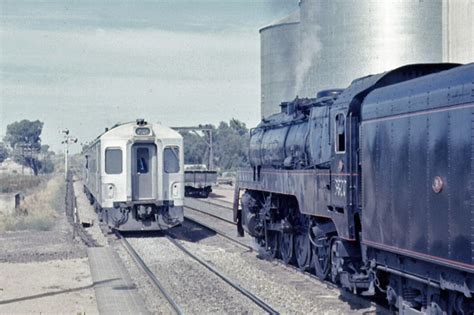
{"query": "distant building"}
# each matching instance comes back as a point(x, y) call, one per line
point(10, 167)
point(328, 43)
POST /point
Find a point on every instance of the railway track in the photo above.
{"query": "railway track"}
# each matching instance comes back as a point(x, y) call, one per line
point(211, 215)
point(246, 246)
point(141, 264)
point(218, 231)
point(262, 304)
point(348, 295)
point(223, 204)
point(172, 301)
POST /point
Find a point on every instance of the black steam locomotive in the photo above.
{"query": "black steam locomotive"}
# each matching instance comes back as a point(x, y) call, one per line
point(372, 187)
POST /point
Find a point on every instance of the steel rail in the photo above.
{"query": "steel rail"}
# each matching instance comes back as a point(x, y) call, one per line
point(211, 215)
point(215, 202)
point(221, 201)
point(250, 248)
point(265, 306)
point(148, 272)
point(230, 238)
point(348, 295)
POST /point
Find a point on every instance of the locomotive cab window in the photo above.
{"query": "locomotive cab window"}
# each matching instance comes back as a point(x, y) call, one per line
point(340, 127)
point(171, 159)
point(113, 161)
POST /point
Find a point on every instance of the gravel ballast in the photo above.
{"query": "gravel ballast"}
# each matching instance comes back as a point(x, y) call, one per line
point(285, 289)
point(193, 287)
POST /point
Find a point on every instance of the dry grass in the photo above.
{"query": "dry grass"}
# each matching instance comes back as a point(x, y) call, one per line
point(20, 183)
point(39, 209)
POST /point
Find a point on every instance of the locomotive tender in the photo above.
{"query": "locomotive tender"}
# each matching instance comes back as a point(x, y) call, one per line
point(372, 187)
point(133, 174)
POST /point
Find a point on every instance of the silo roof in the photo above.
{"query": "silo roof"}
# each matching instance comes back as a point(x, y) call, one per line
point(293, 18)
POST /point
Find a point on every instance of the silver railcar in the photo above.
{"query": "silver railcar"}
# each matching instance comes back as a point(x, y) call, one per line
point(134, 176)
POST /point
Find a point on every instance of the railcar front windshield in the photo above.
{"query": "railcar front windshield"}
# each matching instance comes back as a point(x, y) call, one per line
point(113, 161)
point(171, 159)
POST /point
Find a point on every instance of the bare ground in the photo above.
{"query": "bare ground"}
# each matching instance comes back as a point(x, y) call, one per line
point(44, 271)
point(54, 286)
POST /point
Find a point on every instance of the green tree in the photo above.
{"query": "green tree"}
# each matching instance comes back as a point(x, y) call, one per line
point(45, 149)
point(3, 152)
point(46, 159)
point(230, 143)
point(195, 149)
point(24, 136)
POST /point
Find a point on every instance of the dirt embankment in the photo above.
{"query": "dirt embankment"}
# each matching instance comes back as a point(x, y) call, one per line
point(40, 261)
point(42, 202)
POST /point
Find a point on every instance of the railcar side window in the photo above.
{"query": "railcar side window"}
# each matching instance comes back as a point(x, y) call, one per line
point(92, 167)
point(171, 159)
point(113, 161)
point(340, 133)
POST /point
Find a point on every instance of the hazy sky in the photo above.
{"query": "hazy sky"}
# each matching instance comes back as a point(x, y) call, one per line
point(86, 65)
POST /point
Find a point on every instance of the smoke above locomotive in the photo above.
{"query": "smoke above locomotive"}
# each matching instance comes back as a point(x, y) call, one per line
point(328, 43)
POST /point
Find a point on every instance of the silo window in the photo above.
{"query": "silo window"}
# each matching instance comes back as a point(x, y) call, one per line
point(171, 159)
point(113, 161)
point(340, 133)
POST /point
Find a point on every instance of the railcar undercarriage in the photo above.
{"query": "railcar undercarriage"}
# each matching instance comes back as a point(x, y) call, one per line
point(139, 217)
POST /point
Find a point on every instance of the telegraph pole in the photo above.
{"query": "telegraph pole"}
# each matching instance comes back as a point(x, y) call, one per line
point(211, 152)
point(67, 140)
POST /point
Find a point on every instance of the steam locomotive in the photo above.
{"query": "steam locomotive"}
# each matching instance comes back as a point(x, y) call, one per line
point(372, 187)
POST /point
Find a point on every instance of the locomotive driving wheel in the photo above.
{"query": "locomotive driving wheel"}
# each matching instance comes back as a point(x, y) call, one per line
point(322, 257)
point(303, 245)
point(337, 262)
point(286, 247)
point(273, 242)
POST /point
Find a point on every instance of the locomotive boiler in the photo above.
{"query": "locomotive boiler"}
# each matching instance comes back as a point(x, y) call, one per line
point(372, 187)
point(282, 140)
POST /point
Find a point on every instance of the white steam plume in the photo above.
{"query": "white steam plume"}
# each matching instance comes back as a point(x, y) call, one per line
point(310, 47)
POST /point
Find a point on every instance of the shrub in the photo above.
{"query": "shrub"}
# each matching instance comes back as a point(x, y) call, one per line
point(40, 208)
point(17, 183)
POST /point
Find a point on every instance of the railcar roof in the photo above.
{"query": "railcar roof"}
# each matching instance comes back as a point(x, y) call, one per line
point(125, 130)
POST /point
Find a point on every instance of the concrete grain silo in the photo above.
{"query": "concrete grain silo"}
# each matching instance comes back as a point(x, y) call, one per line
point(279, 56)
point(332, 42)
point(458, 31)
point(345, 39)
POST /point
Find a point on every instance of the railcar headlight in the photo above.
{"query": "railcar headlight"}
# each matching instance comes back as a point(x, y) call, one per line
point(110, 191)
point(142, 131)
point(175, 190)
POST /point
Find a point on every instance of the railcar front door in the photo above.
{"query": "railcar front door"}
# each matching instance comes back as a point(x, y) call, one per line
point(143, 168)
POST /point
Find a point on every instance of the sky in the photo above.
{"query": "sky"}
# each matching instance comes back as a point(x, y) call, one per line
point(86, 65)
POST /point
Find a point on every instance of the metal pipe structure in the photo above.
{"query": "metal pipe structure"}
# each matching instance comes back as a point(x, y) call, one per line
point(209, 143)
point(67, 140)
